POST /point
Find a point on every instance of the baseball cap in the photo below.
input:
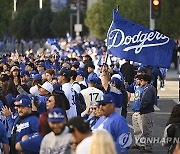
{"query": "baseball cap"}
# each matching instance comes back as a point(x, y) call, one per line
point(14, 68)
point(37, 77)
point(58, 88)
point(24, 102)
point(21, 96)
point(47, 86)
point(142, 69)
point(117, 76)
point(64, 72)
point(79, 123)
point(76, 64)
point(66, 65)
point(117, 81)
point(106, 99)
point(56, 115)
point(41, 64)
point(98, 80)
point(23, 73)
point(81, 73)
point(92, 77)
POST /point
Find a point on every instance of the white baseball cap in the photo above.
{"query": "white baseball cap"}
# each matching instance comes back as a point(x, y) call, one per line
point(47, 86)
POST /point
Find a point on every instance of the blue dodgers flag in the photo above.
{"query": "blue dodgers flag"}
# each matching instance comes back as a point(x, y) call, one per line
point(131, 41)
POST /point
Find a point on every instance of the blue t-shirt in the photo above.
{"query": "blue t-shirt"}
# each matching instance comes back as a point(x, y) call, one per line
point(28, 125)
point(117, 126)
point(137, 98)
point(32, 144)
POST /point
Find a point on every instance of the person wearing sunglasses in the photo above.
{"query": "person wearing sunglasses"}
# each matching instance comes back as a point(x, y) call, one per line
point(114, 123)
point(92, 115)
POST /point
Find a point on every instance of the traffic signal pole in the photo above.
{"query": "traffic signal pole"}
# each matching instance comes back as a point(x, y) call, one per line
point(151, 21)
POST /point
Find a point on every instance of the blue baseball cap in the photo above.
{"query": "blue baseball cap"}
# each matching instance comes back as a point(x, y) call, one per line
point(106, 98)
point(117, 81)
point(98, 80)
point(64, 72)
point(21, 96)
point(41, 64)
point(142, 69)
point(56, 115)
point(81, 73)
point(37, 77)
point(23, 73)
point(92, 77)
point(25, 103)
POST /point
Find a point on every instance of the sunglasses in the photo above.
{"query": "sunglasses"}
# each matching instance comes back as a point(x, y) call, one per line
point(102, 103)
point(73, 143)
point(94, 108)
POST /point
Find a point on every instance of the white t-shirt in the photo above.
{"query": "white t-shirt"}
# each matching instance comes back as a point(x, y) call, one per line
point(91, 94)
point(69, 92)
point(52, 143)
point(84, 146)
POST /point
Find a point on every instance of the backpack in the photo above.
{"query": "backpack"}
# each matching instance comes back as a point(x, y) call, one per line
point(80, 103)
point(79, 100)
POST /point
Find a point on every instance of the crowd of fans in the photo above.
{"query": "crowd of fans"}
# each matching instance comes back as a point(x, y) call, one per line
point(74, 100)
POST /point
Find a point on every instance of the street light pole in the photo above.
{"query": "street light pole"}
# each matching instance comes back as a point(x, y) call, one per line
point(40, 4)
point(15, 1)
point(78, 12)
point(151, 21)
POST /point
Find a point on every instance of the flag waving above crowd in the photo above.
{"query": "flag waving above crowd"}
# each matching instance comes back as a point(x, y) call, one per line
point(131, 41)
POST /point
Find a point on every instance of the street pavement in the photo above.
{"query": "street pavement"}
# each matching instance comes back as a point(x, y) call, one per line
point(168, 98)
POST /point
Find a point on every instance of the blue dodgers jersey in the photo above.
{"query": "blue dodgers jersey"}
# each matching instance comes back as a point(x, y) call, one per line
point(117, 126)
point(137, 99)
point(32, 144)
point(28, 125)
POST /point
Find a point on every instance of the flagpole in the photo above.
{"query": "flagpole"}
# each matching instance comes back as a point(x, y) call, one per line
point(117, 9)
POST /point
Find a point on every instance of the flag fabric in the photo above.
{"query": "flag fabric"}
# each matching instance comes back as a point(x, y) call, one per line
point(131, 41)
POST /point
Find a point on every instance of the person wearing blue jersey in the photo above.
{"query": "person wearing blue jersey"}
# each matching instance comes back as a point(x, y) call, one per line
point(25, 123)
point(114, 123)
point(31, 144)
point(147, 112)
point(136, 117)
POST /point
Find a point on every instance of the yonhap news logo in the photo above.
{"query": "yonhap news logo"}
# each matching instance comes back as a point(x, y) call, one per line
point(125, 140)
point(155, 140)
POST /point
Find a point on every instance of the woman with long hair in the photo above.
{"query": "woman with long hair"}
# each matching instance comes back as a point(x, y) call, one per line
point(102, 143)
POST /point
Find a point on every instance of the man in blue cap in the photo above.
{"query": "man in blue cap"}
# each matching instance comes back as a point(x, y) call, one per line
point(114, 123)
point(25, 124)
point(41, 68)
point(58, 140)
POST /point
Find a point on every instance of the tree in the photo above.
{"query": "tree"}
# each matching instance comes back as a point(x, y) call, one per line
point(60, 23)
point(5, 17)
point(99, 16)
point(40, 25)
point(21, 24)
